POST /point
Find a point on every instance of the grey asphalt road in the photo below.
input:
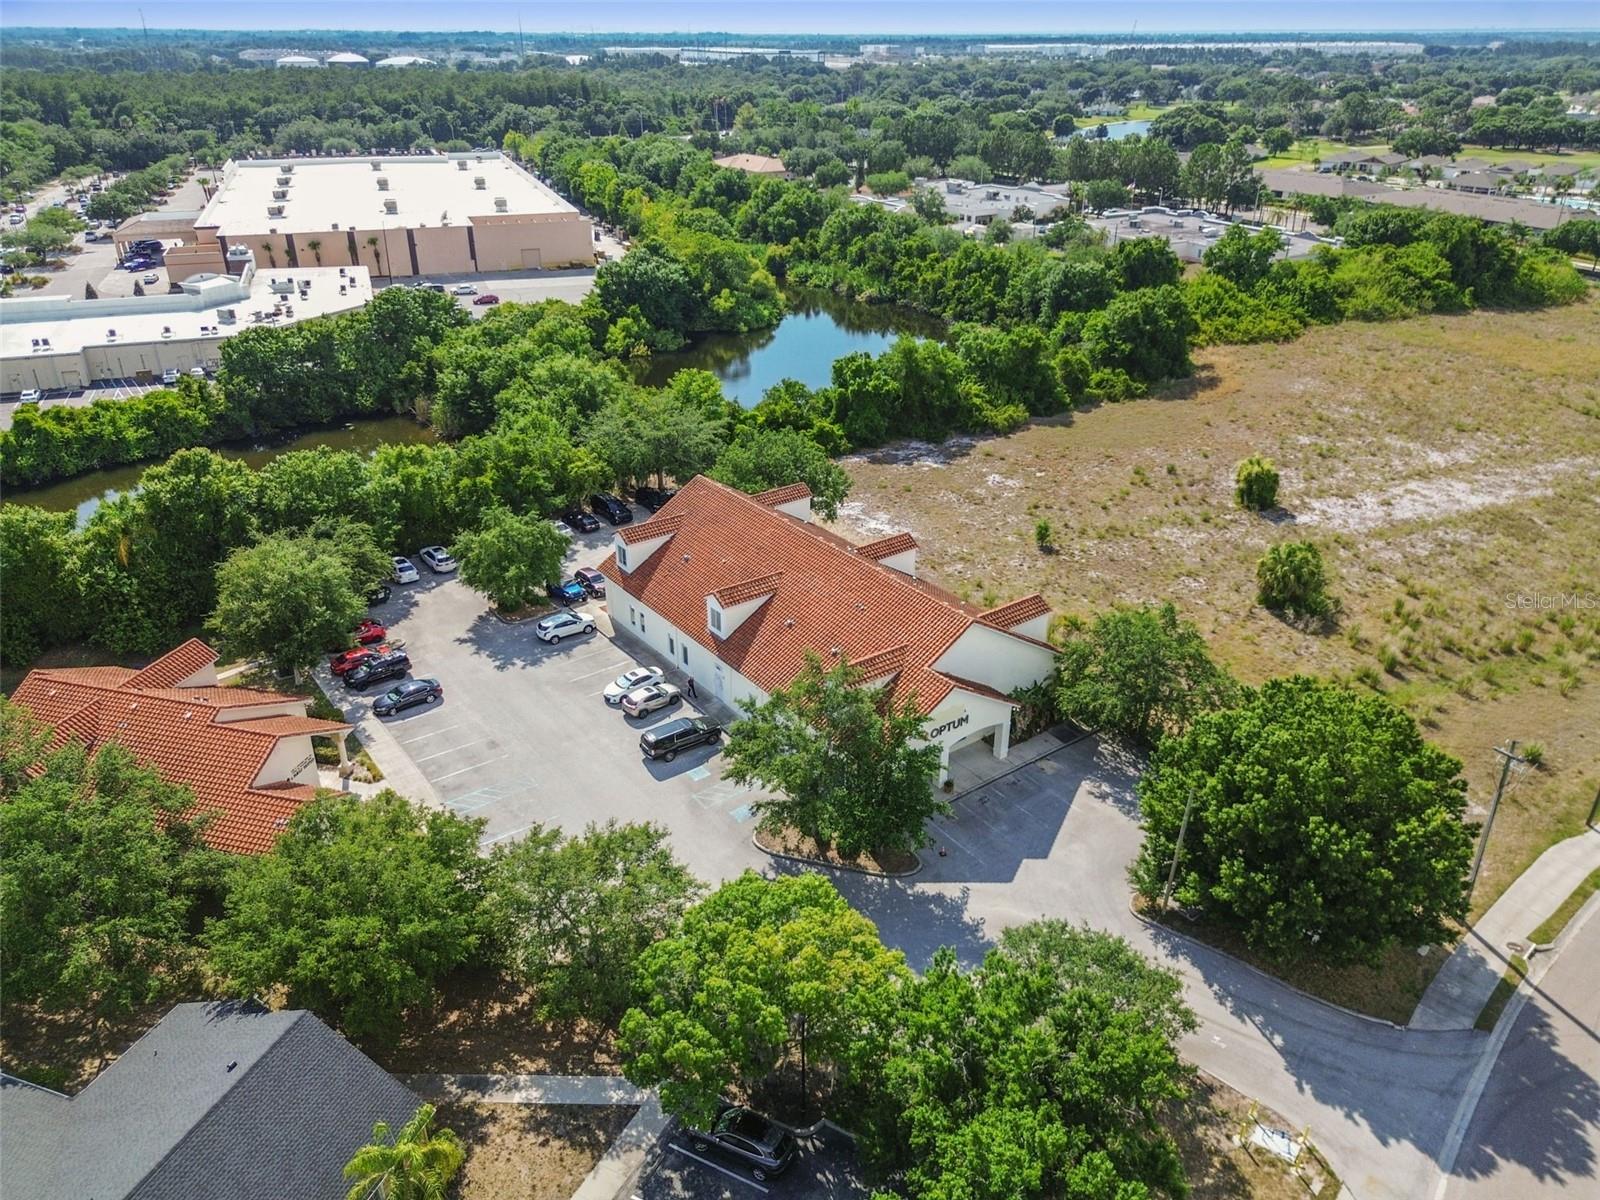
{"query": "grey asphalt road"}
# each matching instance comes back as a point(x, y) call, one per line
point(824, 1169)
point(1536, 1129)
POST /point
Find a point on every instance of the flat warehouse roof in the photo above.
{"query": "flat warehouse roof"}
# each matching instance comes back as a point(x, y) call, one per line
point(325, 192)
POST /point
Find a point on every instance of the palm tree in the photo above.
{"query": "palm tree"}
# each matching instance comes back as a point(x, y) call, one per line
point(377, 255)
point(315, 246)
point(417, 1163)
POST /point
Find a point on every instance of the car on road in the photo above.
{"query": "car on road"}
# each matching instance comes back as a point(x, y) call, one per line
point(749, 1139)
point(348, 660)
point(592, 581)
point(405, 571)
point(653, 499)
point(668, 740)
point(411, 692)
point(378, 593)
point(487, 298)
point(438, 559)
point(562, 528)
point(629, 681)
point(151, 277)
point(653, 697)
point(568, 592)
point(370, 632)
point(464, 289)
point(609, 507)
point(31, 396)
point(581, 521)
point(393, 665)
point(136, 264)
point(197, 372)
point(562, 625)
point(171, 376)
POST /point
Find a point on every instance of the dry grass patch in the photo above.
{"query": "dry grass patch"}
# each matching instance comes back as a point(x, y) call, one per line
point(1207, 1128)
point(65, 1051)
point(1445, 466)
point(529, 1151)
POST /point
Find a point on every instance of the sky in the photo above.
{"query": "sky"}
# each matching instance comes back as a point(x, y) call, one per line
point(830, 17)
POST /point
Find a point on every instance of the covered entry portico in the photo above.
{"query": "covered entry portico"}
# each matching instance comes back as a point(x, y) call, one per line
point(970, 723)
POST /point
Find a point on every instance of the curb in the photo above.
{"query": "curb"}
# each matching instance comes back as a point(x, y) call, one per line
point(1349, 1012)
point(1015, 767)
point(832, 866)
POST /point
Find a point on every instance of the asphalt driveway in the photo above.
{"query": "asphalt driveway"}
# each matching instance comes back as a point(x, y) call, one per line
point(824, 1169)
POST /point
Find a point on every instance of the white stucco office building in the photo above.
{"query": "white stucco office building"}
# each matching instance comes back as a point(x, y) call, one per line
point(736, 589)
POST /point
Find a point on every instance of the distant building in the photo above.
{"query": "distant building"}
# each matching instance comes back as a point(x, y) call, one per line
point(405, 60)
point(348, 59)
point(296, 60)
point(220, 1099)
point(754, 164)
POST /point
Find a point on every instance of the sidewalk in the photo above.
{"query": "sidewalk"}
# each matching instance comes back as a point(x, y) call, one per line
point(614, 1175)
point(1463, 985)
point(399, 772)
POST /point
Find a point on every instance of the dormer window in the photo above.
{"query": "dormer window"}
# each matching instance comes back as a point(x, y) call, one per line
point(622, 556)
point(714, 617)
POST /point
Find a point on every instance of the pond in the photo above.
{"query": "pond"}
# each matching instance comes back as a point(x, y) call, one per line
point(85, 493)
point(1116, 130)
point(818, 328)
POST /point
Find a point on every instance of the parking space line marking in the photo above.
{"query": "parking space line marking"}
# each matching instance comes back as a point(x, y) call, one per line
point(452, 750)
point(949, 837)
point(601, 671)
point(715, 1167)
point(500, 837)
point(592, 653)
point(473, 767)
point(430, 733)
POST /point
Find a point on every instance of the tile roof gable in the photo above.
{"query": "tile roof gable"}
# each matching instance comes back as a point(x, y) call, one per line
point(895, 543)
point(173, 667)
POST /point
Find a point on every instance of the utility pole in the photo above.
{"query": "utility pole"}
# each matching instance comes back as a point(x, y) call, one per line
point(1509, 755)
point(1177, 852)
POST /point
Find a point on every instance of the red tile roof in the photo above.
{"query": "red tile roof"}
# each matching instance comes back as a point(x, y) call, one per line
point(176, 732)
point(749, 589)
point(1007, 616)
point(895, 543)
point(655, 527)
point(828, 598)
point(773, 497)
point(173, 667)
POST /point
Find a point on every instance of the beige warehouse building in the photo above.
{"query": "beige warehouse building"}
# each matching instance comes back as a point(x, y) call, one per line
point(410, 215)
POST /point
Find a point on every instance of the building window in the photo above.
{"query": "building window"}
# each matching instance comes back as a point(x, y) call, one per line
point(672, 646)
point(716, 619)
point(633, 617)
point(641, 622)
point(686, 654)
point(622, 557)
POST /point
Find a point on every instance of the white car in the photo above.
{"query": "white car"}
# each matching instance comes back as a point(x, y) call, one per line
point(563, 528)
point(197, 372)
point(171, 376)
point(631, 681)
point(31, 396)
point(464, 289)
point(438, 559)
point(563, 624)
point(405, 571)
point(650, 698)
point(151, 277)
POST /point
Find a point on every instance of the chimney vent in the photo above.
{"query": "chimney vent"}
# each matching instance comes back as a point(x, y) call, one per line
point(478, 181)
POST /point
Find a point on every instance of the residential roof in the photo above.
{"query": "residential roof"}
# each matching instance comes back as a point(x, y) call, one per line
point(826, 598)
point(184, 734)
point(1008, 616)
point(273, 1103)
point(1288, 181)
point(887, 547)
point(755, 164)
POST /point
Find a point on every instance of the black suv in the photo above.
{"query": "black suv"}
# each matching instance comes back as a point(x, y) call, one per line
point(748, 1138)
point(376, 670)
point(666, 739)
point(577, 519)
point(611, 509)
point(653, 499)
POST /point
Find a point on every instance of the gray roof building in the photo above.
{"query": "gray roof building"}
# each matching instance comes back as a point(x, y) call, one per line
point(221, 1098)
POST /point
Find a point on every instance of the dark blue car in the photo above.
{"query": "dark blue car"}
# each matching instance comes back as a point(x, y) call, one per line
point(570, 592)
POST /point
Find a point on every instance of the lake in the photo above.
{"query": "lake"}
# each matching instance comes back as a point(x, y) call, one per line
point(1116, 130)
point(85, 493)
point(818, 328)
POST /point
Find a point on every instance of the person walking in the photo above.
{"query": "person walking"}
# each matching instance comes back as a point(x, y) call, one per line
point(692, 693)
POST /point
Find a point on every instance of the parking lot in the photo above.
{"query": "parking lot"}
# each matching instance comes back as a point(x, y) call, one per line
point(523, 736)
point(825, 1169)
point(105, 389)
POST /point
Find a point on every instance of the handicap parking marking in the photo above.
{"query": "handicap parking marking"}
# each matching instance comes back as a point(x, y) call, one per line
point(743, 813)
point(493, 793)
point(699, 773)
point(719, 794)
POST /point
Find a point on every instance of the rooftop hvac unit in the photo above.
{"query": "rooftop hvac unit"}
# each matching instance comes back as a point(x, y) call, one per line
point(274, 210)
point(376, 165)
point(284, 180)
point(287, 168)
point(461, 164)
point(383, 183)
point(478, 182)
point(226, 316)
point(391, 207)
point(280, 194)
point(500, 204)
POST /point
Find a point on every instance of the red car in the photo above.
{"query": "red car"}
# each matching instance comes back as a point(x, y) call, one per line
point(343, 664)
point(490, 298)
point(369, 631)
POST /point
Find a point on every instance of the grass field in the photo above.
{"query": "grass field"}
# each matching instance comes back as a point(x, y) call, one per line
point(1307, 149)
point(1448, 467)
point(1136, 112)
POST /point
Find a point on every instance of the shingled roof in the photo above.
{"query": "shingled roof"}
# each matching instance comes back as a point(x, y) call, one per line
point(220, 1098)
point(185, 734)
point(826, 598)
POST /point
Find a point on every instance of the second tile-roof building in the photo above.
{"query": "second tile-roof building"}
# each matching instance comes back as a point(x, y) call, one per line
point(735, 590)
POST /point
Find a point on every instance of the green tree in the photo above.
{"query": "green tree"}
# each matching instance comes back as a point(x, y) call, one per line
point(1290, 577)
point(758, 459)
point(577, 912)
point(415, 1162)
point(1044, 536)
point(1044, 1073)
point(847, 765)
point(1101, 194)
point(1145, 333)
point(1256, 483)
point(1323, 826)
point(1146, 262)
point(1241, 257)
point(358, 910)
point(511, 558)
point(287, 599)
point(39, 575)
point(1141, 672)
point(763, 973)
point(98, 867)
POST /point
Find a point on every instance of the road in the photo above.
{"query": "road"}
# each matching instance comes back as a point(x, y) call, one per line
point(1536, 1129)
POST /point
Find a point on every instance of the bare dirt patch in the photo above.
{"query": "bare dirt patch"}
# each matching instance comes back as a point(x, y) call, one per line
point(794, 844)
point(1211, 1130)
point(65, 1051)
point(1448, 468)
point(529, 1151)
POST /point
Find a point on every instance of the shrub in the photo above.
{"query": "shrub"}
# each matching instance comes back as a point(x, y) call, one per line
point(1534, 753)
point(1226, 314)
point(1044, 536)
point(889, 183)
point(1256, 483)
point(1290, 577)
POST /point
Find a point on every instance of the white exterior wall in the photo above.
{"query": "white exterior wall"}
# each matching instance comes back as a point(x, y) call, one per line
point(800, 508)
point(905, 562)
point(1038, 627)
point(734, 615)
point(288, 707)
point(963, 717)
point(669, 642)
point(638, 552)
point(292, 761)
point(992, 658)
